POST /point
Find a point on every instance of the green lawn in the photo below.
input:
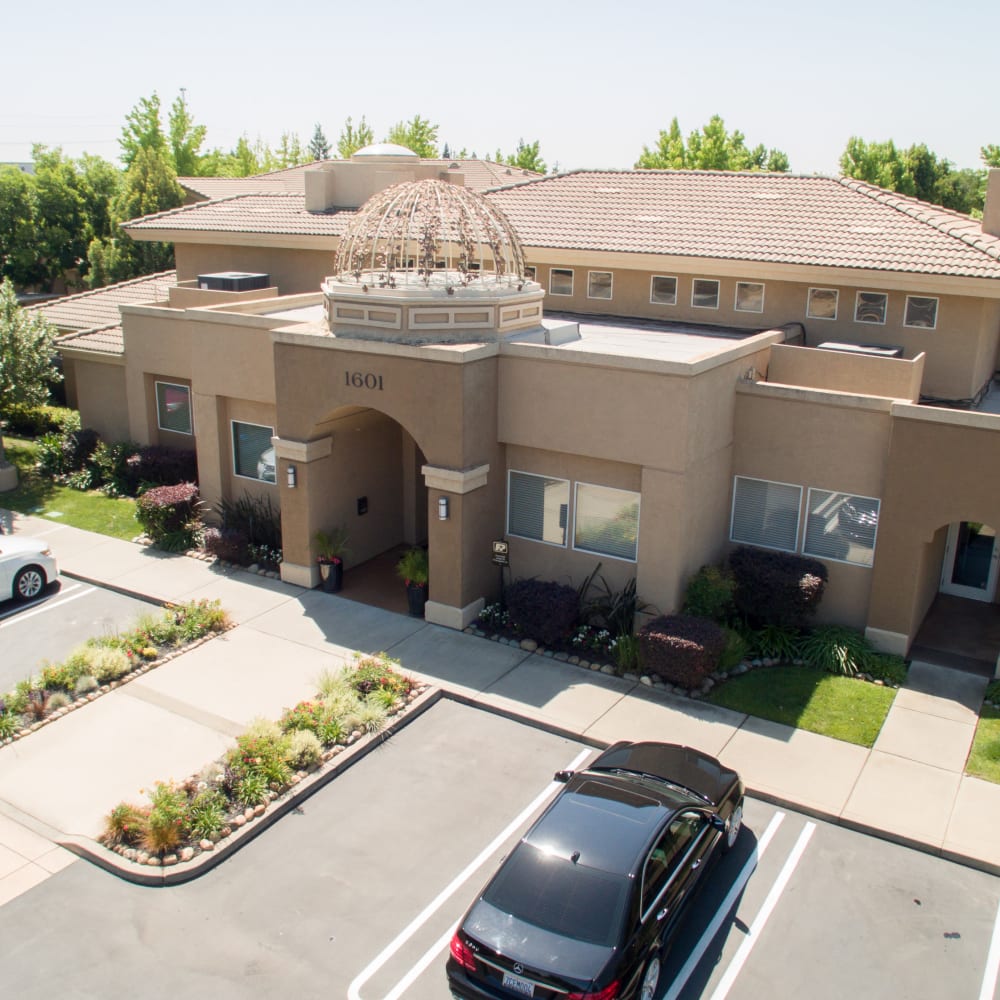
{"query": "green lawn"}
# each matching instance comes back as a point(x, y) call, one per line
point(841, 707)
point(984, 759)
point(38, 495)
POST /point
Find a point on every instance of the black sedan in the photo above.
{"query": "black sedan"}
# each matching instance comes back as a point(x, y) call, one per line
point(583, 907)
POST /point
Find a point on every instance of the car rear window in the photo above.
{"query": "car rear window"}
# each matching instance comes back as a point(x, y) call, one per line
point(559, 896)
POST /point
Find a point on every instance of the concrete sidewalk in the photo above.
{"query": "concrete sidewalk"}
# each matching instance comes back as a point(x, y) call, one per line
point(168, 723)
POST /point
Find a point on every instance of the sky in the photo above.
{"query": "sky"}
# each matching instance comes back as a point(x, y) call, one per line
point(592, 81)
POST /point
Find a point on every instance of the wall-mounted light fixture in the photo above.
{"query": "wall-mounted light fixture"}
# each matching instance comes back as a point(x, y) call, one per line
point(292, 477)
point(442, 508)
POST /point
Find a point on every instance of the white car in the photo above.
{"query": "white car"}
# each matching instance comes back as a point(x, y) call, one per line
point(266, 467)
point(27, 567)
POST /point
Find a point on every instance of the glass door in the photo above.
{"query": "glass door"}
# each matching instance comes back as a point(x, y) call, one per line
point(971, 559)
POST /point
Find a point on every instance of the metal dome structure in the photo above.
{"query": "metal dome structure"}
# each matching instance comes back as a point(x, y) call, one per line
point(430, 234)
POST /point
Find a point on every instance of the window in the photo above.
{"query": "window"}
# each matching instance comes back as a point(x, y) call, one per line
point(662, 290)
point(606, 521)
point(705, 293)
point(841, 526)
point(920, 311)
point(766, 513)
point(561, 281)
point(253, 453)
point(537, 507)
point(599, 284)
point(665, 858)
point(870, 307)
point(530, 272)
point(822, 303)
point(173, 408)
point(749, 297)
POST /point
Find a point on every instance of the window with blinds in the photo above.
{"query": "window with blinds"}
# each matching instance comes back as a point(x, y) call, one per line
point(766, 513)
point(537, 507)
point(841, 526)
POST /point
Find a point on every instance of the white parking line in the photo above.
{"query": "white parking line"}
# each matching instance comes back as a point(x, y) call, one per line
point(992, 963)
point(354, 990)
point(17, 617)
point(694, 959)
point(736, 965)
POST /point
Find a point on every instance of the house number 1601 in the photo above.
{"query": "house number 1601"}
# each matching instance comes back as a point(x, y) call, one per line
point(363, 380)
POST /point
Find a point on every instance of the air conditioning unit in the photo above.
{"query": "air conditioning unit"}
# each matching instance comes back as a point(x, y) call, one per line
point(234, 281)
point(875, 350)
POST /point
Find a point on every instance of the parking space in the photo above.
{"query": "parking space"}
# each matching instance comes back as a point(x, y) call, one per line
point(356, 894)
point(49, 627)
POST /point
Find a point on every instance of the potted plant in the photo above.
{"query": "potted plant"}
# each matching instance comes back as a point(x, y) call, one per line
point(412, 570)
point(331, 547)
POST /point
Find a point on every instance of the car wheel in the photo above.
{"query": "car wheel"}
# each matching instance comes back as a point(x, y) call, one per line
point(29, 582)
point(650, 978)
point(733, 825)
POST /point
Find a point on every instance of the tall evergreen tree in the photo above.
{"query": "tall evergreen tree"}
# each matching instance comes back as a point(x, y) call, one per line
point(319, 146)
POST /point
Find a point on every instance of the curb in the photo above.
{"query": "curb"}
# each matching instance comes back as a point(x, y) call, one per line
point(186, 871)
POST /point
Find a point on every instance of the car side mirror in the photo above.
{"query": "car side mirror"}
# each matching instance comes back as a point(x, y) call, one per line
point(718, 823)
point(562, 776)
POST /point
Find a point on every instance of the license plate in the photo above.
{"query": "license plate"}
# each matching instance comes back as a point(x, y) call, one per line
point(518, 985)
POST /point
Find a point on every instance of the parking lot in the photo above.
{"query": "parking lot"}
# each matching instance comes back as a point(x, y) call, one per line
point(356, 895)
point(65, 614)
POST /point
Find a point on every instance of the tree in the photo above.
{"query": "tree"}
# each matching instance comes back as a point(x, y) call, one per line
point(916, 172)
point(990, 155)
point(319, 146)
point(142, 129)
point(62, 228)
point(527, 157)
point(710, 148)
point(26, 340)
point(352, 139)
point(18, 258)
point(418, 135)
point(290, 152)
point(186, 138)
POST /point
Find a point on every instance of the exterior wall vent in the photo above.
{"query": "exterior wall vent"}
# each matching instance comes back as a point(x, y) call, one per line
point(234, 281)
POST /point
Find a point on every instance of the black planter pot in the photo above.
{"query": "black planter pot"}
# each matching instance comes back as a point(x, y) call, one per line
point(416, 598)
point(332, 576)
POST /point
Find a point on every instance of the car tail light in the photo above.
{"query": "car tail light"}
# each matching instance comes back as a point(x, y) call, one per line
point(462, 953)
point(608, 993)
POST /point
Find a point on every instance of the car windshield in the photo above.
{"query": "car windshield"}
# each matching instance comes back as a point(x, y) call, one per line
point(559, 896)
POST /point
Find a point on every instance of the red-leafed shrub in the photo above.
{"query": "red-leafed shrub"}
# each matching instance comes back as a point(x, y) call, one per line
point(776, 588)
point(543, 610)
point(681, 649)
point(168, 514)
point(159, 465)
point(228, 544)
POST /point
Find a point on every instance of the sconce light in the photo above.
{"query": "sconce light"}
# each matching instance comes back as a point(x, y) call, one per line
point(442, 508)
point(291, 477)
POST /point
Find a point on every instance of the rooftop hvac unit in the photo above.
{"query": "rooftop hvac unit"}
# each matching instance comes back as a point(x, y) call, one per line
point(875, 350)
point(234, 281)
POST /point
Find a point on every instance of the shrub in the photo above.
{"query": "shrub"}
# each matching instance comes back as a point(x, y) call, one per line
point(57, 700)
point(543, 610)
point(736, 650)
point(34, 421)
point(207, 814)
point(890, 668)
point(681, 649)
point(836, 649)
point(227, 544)
point(372, 716)
point(85, 684)
point(261, 751)
point(159, 466)
point(254, 517)
point(709, 594)
point(627, 653)
point(250, 789)
point(589, 639)
point(776, 588)
point(304, 750)
point(114, 472)
point(993, 693)
point(377, 673)
point(61, 676)
point(168, 511)
point(493, 618)
point(776, 642)
point(125, 824)
point(614, 610)
point(167, 819)
point(108, 664)
point(9, 722)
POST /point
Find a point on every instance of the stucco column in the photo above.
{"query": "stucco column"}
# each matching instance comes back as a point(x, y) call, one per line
point(300, 504)
point(452, 602)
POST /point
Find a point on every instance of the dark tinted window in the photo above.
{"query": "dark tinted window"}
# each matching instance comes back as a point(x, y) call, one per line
point(668, 853)
point(559, 896)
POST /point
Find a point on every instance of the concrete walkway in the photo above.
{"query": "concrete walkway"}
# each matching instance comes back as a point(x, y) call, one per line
point(63, 779)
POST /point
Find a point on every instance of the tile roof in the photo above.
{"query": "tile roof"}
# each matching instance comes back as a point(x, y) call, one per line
point(102, 340)
point(773, 218)
point(99, 308)
point(479, 175)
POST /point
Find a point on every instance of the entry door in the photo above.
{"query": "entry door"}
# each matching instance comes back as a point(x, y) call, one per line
point(971, 558)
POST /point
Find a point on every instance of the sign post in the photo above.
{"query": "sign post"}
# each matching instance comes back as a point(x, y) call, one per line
point(501, 556)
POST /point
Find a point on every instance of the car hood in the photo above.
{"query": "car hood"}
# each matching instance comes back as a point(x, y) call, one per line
point(688, 767)
point(16, 545)
point(577, 962)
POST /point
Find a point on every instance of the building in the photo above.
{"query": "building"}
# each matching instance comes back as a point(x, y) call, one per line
point(637, 368)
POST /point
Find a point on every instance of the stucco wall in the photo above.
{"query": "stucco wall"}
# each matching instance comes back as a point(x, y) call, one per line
point(855, 373)
point(101, 391)
point(292, 271)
